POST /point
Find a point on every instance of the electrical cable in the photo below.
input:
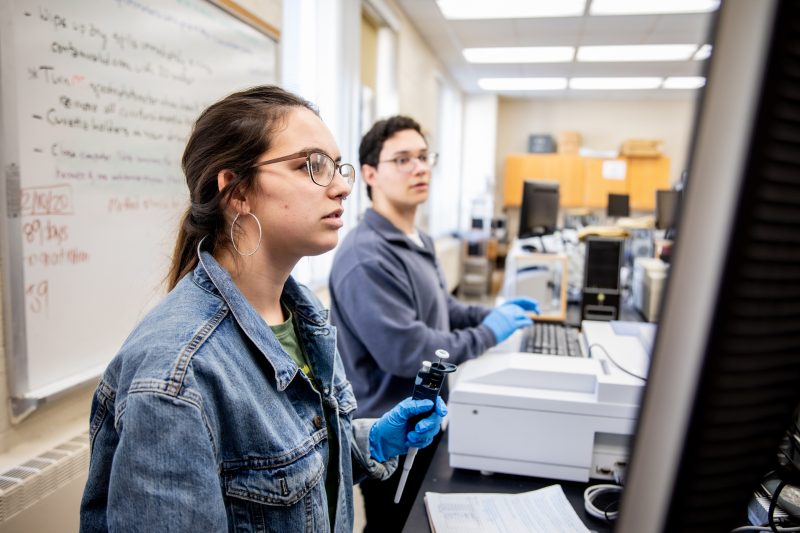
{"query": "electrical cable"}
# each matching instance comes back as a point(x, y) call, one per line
point(765, 528)
point(771, 526)
point(606, 510)
point(592, 493)
point(773, 503)
point(615, 363)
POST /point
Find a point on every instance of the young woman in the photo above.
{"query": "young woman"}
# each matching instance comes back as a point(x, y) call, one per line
point(227, 408)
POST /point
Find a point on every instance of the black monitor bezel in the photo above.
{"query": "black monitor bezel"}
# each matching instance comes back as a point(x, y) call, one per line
point(618, 197)
point(531, 188)
point(659, 211)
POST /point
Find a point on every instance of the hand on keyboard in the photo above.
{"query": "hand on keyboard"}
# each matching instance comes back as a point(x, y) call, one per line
point(526, 303)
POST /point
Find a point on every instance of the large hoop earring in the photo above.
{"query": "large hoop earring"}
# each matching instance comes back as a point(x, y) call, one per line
point(233, 241)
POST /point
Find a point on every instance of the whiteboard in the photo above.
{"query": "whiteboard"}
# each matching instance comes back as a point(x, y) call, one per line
point(98, 100)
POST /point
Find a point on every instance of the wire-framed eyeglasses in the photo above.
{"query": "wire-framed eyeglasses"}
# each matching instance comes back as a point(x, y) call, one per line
point(321, 168)
point(407, 163)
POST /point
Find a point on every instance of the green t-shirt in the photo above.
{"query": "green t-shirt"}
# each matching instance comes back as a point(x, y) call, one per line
point(287, 336)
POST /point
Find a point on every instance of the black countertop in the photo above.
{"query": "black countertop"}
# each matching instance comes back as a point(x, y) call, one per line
point(442, 478)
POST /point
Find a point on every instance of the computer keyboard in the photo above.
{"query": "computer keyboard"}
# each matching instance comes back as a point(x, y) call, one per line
point(551, 339)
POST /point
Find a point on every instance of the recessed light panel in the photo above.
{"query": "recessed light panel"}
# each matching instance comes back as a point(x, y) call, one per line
point(522, 84)
point(704, 52)
point(614, 83)
point(651, 7)
point(503, 9)
point(637, 52)
point(520, 54)
point(684, 82)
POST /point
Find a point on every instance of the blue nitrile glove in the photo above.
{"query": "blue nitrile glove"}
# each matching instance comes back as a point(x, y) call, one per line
point(527, 304)
point(390, 437)
point(505, 319)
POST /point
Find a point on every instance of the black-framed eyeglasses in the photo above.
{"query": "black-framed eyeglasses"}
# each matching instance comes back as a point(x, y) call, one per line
point(407, 163)
point(321, 168)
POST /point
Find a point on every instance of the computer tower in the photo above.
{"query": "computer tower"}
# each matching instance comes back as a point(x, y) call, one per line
point(601, 278)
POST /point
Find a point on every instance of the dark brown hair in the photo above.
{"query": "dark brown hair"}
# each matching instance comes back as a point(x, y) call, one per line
point(369, 151)
point(230, 135)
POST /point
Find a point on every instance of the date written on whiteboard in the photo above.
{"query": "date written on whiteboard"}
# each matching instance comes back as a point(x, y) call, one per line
point(39, 231)
point(47, 200)
point(38, 297)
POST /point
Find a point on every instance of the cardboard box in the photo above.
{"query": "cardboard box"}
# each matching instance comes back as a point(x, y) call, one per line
point(641, 148)
point(569, 142)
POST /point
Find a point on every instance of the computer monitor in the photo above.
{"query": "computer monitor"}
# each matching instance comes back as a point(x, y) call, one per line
point(724, 375)
point(666, 208)
point(618, 205)
point(539, 212)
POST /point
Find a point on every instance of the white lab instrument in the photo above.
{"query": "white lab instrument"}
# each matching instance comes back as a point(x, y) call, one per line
point(551, 416)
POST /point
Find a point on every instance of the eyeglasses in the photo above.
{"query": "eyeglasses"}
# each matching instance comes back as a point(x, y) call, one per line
point(321, 168)
point(407, 163)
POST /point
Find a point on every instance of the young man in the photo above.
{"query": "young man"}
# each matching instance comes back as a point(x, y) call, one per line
point(390, 303)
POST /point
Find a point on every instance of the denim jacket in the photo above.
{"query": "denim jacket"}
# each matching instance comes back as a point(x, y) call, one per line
point(202, 422)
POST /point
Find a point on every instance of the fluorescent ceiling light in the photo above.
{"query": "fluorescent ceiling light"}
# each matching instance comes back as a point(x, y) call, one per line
point(685, 82)
point(651, 7)
point(614, 83)
point(637, 52)
point(520, 54)
point(506, 9)
point(522, 84)
point(704, 52)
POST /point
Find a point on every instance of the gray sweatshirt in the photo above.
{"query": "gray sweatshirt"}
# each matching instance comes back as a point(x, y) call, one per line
point(391, 308)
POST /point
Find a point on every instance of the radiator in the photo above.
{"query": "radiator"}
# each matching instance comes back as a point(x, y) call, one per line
point(41, 480)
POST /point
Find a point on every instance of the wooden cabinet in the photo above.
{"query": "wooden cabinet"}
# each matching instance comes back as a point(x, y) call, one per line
point(566, 169)
point(645, 176)
point(571, 179)
point(521, 167)
point(596, 186)
point(581, 179)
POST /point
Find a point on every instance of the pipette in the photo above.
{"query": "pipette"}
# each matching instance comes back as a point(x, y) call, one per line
point(426, 387)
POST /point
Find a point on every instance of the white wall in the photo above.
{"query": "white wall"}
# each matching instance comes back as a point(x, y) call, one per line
point(320, 61)
point(446, 180)
point(426, 92)
point(418, 72)
point(604, 125)
point(478, 152)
